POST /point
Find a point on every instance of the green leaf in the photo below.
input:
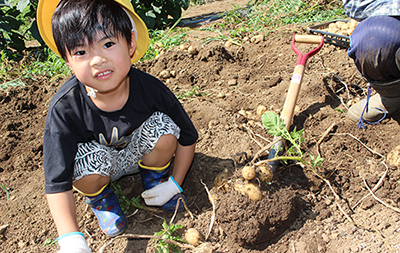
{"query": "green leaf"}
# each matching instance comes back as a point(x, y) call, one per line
point(8, 195)
point(157, 9)
point(9, 23)
point(150, 14)
point(35, 32)
point(183, 3)
point(22, 4)
point(297, 135)
point(174, 11)
point(274, 125)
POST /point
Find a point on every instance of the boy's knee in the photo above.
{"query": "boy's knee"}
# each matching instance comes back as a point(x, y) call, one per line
point(162, 152)
point(91, 184)
point(166, 142)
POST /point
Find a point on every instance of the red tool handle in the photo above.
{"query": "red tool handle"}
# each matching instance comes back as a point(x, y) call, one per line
point(311, 39)
point(294, 90)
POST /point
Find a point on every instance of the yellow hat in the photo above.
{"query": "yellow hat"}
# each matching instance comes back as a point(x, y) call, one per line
point(46, 10)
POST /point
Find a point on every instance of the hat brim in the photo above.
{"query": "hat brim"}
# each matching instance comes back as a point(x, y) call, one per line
point(45, 13)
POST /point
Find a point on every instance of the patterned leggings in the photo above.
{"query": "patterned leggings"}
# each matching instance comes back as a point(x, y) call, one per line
point(94, 158)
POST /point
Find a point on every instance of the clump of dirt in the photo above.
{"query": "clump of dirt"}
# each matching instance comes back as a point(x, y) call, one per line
point(214, 85)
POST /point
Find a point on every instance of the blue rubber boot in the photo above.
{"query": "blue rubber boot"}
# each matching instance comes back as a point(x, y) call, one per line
point(111, 218)
point(152, 176)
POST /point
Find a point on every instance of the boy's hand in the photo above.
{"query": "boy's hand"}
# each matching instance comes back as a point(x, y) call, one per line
point(161, 193)
point(73, 243)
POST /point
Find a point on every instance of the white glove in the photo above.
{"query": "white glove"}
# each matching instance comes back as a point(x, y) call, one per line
point(73, 243)
point(161, 193)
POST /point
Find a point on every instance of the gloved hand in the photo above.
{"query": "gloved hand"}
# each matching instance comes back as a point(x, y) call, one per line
point(161, 193)
point(73, 243)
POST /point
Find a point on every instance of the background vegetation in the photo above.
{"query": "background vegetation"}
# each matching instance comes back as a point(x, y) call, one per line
point(18, 27)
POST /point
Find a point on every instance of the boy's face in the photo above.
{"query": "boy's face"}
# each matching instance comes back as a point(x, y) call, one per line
point(105, 64)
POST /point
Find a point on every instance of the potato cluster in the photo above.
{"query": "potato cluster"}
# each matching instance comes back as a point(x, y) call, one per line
point(251, 190)
point(341, 27)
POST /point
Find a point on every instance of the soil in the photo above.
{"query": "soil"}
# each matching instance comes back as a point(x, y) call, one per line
point(298, 212)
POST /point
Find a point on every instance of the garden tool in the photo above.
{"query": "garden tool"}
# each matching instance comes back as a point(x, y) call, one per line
point(294, 90)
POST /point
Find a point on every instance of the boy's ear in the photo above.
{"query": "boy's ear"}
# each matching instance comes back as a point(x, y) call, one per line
point(132, 46)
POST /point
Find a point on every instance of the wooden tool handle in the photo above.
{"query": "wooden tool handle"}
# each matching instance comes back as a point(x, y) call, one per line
point(311, 39)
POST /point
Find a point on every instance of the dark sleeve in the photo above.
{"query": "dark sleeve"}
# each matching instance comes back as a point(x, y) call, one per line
point(63, 130)
point(156, 96)
point(58, 156)
point(178, 114)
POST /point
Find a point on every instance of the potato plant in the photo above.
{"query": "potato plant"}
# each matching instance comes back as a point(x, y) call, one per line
point(276, 127)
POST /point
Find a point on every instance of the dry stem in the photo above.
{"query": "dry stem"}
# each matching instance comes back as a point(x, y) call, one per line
point(176, 210)
point(380, 201)
point(264, 149)
point(383, 238)
point(213, 212)
point(370, 150)
point(375, 187)
point(323, 137)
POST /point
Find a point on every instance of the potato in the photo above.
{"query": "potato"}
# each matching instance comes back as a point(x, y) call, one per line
point(248, 173)
point(183, 47)
point(352, 23)
point(253, 191)
point(193, 237)
point(221, 180)
point(266, 174)
point(343, 32)
point(344, 27)
point(165, 74)
point(192, 50)
point(261, 109)
point(393, 158)
point(257, 39)
point(341, 24)
point(333, 26)
point(333, 30)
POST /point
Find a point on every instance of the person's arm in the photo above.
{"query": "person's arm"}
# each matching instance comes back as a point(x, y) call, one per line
point(62, 208)
point(183, 159)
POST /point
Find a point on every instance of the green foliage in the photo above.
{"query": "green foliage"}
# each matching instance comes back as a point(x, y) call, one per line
point(42, 62)
point(125, 203)
point(12, 83)
point(53, 66)
point(163, 40)
point(194, 92)
point(339, 110)
point(160, 14)
point(166, 233)
point(49, 242)
point(7, 194)
point(274, 13)
point(276, 127)
point(14, 17)
point(220, 36)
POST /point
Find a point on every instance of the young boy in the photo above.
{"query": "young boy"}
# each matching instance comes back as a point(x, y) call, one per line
point(109, 120)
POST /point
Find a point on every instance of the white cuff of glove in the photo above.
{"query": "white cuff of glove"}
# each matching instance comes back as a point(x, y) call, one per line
point(161, 193)
point(73, 242)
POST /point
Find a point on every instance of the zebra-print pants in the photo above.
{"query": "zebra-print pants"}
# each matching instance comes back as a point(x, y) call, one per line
point(94, 158)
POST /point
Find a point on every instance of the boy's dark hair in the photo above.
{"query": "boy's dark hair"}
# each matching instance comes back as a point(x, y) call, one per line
point(76, 22)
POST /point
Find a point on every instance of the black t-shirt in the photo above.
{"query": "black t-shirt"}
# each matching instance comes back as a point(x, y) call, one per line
point(73, 118)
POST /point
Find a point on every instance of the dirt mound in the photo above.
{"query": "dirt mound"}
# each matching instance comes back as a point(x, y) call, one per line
point(298, 211)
